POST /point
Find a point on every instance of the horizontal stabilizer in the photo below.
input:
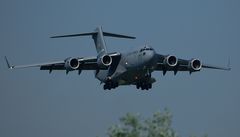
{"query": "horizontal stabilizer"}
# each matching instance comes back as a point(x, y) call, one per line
point(98, 37)
point(117, 35)
point(95, 33)
point(75, 35)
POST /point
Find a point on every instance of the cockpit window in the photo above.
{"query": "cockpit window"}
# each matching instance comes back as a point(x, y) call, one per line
point(148, 49)
point(145, 48)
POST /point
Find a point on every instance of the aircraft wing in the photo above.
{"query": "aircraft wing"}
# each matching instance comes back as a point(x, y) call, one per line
point(87, 63)
point(184, 65)
point(31, 65)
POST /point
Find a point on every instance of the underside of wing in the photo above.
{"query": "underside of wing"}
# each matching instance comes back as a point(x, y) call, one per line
point(171, 63)
point(71, 64)
point(216, 67)
point(87, 63)
point(82, 64)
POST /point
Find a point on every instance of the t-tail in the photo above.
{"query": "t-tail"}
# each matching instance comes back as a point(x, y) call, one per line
point(98, 37)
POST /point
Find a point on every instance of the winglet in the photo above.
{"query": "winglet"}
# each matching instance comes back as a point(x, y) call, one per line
point(8, 64)
point(229, 65)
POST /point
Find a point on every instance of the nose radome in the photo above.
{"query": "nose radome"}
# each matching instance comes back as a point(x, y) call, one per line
point(150, 55)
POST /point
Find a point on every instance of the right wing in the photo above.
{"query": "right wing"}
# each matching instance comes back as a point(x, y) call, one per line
point(87, 63)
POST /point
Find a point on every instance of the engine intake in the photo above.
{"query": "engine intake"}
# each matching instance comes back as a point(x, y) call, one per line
point(71, 64)
point(105, 61)
point(195, 65)
point(171, 61)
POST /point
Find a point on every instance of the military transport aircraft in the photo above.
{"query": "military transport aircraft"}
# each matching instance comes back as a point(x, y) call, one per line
point(115, 69)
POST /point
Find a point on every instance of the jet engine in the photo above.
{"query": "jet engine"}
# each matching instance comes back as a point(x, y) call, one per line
point(170, 61)
point(104, 61)
point(71, 64)
point(195, 65)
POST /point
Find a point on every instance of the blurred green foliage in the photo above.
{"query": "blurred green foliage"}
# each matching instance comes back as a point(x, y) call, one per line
point(159, 125)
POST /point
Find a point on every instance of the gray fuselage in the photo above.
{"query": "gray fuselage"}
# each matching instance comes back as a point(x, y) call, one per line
point(131, 68)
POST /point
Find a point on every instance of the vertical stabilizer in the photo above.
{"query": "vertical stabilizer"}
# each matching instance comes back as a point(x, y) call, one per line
point(99, 41)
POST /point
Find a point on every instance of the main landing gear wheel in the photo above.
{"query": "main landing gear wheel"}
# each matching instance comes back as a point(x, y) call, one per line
point(110, 85)
point(144, 85)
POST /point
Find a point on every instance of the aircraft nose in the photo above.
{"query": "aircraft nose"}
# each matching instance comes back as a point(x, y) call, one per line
point(150, 55)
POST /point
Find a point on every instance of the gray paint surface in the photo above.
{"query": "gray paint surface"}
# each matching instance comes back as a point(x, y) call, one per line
point(34, 103)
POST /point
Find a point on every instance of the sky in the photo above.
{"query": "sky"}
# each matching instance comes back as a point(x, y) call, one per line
point(36, 103)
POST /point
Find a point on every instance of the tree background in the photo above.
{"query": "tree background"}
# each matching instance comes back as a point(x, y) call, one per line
point(133, 125)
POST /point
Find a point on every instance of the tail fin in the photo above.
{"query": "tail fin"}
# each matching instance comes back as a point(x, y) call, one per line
point(99, 41)
point(98, 37)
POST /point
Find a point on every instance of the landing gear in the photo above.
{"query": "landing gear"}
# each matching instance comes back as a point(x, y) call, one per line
point(144, 85)
point(110, 85)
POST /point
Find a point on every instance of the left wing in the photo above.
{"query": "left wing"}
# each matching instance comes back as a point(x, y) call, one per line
point(171, 63)
point(216, 67)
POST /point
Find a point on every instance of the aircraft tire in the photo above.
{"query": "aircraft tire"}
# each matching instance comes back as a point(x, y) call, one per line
point(150, 86)
point(138, 85)
point(105, 87)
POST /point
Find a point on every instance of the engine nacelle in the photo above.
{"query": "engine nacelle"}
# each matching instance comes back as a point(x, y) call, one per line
point(195, 65)
point(71, 64)
point(104, 61)
point(170, 61)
